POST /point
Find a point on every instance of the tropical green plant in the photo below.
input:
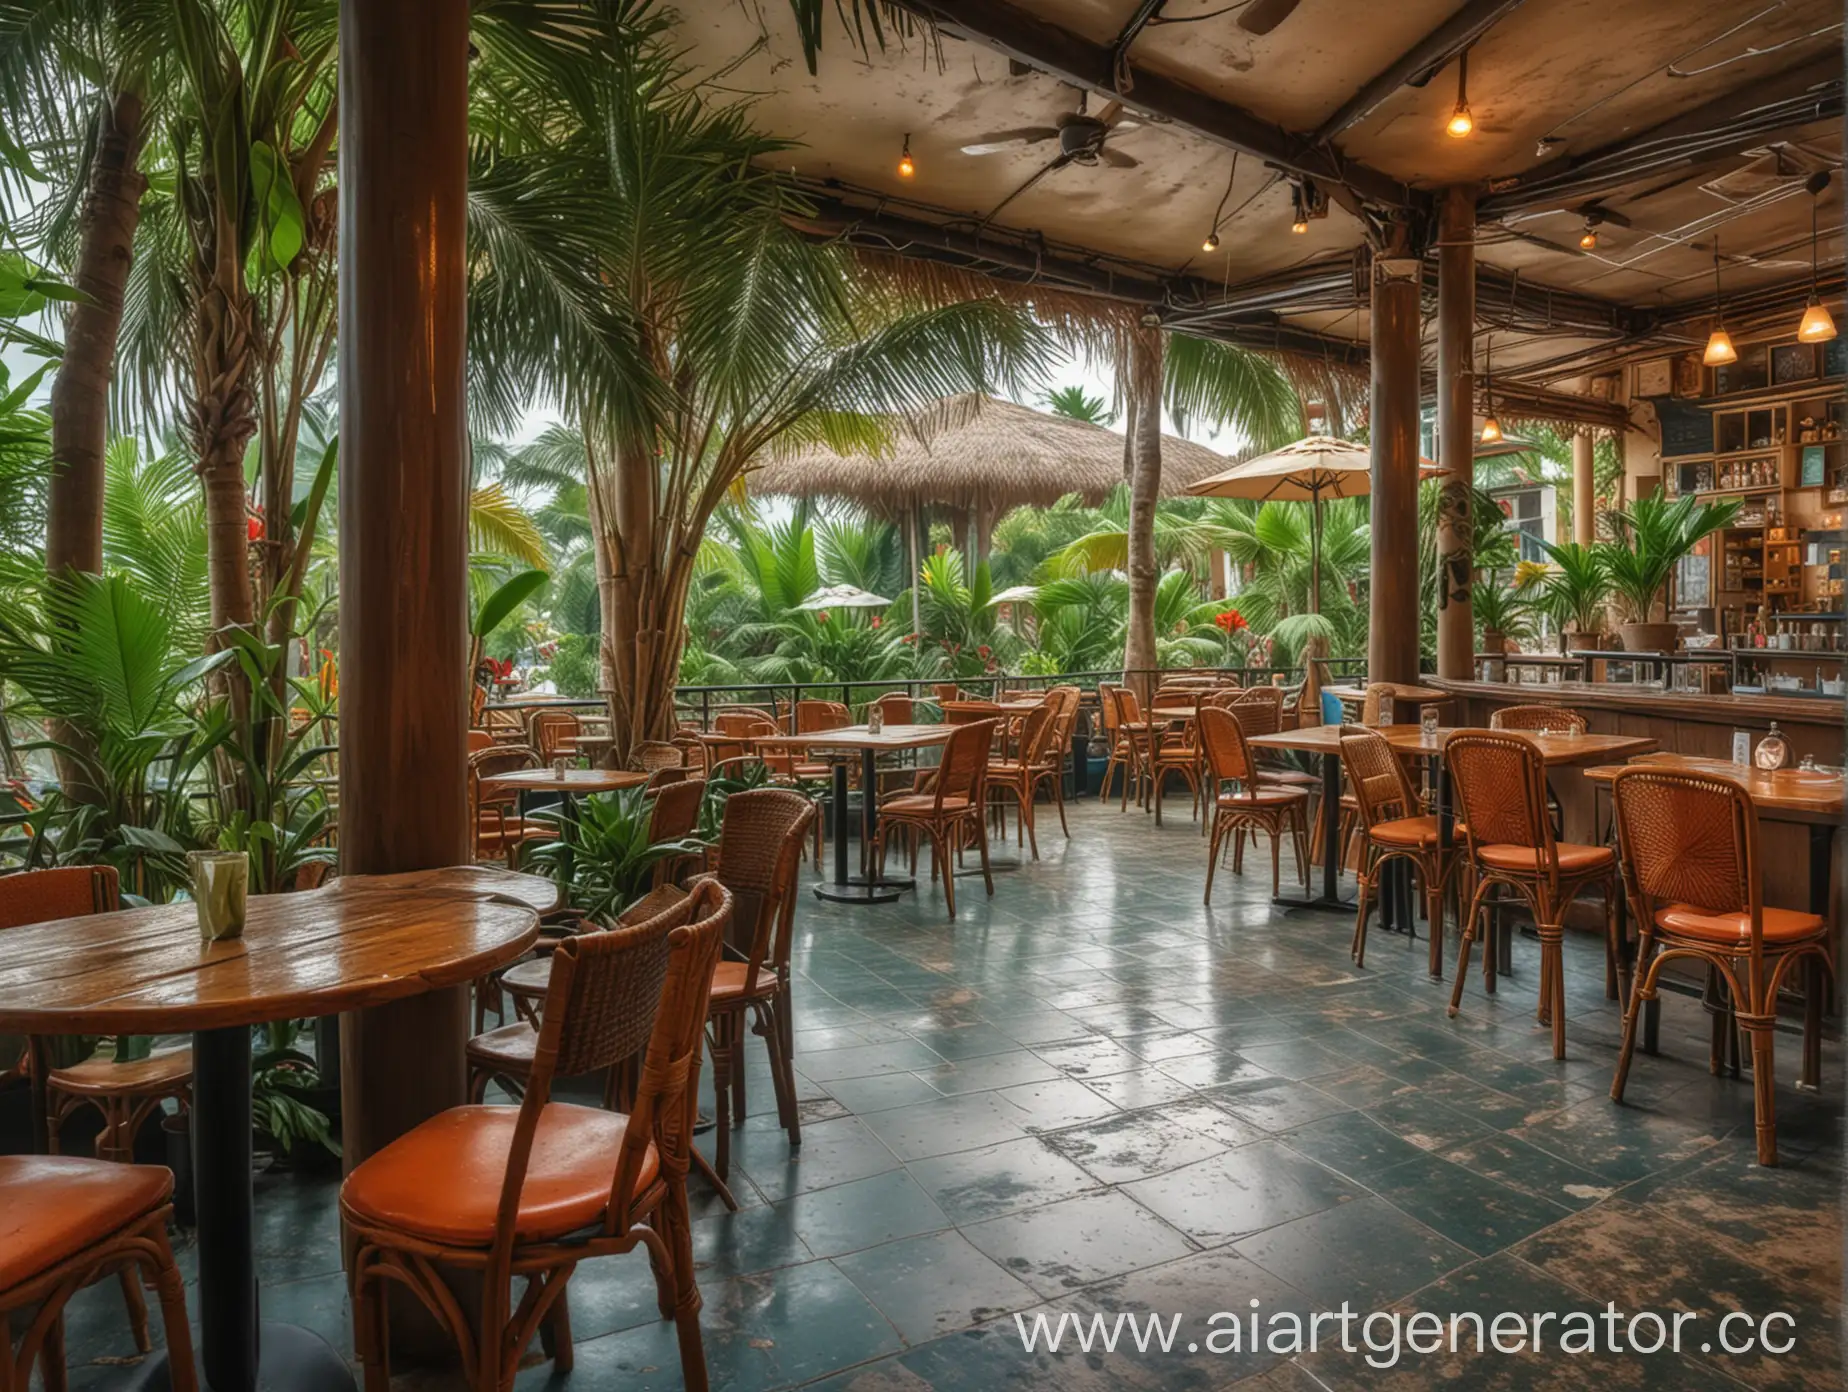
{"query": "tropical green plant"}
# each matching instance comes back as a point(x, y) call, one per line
point(496, 608)
point(1502, 609)
point(644, 276)
point(1577, 587)
point(1650, 538)
point(963, 635)
point(605, 854)
point(95, 656)
point(734, 778)
point(1074, 403)
point(280, 1081)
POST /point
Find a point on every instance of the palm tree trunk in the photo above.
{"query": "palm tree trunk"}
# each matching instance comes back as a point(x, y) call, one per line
point(223, 418)
point(1145, 380)
point(80, 394)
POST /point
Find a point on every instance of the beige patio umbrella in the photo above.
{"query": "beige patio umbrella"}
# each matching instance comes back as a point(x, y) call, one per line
point(1313, 468)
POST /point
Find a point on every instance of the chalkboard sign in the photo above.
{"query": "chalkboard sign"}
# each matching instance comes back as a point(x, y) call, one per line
point(1686, 429)
point(1835, 357)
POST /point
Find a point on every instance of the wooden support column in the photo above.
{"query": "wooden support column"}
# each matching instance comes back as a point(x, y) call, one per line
point(403, 516)
point(1456, 432)
point(1392, 641)
point(1584, 494)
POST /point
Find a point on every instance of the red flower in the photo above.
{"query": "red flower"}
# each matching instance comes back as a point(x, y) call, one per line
point(983, 652)
point(254, 527)
point(1230, 620)
point(909, 638)
point(877, 621)
point(822, 617)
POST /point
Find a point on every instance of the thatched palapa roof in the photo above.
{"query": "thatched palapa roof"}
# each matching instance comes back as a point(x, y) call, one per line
point(978, 452)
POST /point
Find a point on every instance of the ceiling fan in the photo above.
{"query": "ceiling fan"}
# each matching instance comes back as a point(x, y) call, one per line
point(1082, 140)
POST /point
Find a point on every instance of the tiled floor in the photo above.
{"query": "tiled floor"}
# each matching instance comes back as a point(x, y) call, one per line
point(1091, 1094)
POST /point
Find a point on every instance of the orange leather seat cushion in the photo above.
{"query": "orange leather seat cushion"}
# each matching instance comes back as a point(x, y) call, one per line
point(54, 1206)
point(1004, 768)
point(1735, 929)
point(442, 1181)
point(1264, 797)
point(1405, 831)
point(728, 982)
point(1573, 860)
point(920, 804)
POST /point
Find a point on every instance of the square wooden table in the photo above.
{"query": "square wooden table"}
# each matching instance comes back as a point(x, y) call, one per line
point(871, 888)
point(1324, 741)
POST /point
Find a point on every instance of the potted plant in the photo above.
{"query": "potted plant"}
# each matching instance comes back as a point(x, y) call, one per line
point(1650, 540)
point(1501, 614)
point(610, 850)
point(1575, 591)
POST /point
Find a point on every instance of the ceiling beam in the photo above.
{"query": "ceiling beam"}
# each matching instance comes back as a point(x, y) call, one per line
point(1432, 51)
point(1093, 66)
point(1749, 116)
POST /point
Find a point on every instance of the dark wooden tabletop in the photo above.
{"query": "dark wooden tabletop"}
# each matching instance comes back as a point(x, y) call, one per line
point(544, 780)
point(859, 737)
point(535, 892)
point(146, 971)
point(1558, 751)
point(1794, 795)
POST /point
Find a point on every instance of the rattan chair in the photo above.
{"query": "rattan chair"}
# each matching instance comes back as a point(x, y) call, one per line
point(499, 830)
point(1018, 776)
point(1138, 734)
point(760, 849)
point(1556, 720)
point(950, 811)
point(1122, 758)
point(528, 1194)
point(125, 1093)
point(1254, 806)
point(1396, 827)
point(897, 708)
point(1168, 749)
point(1499, 783)
point(654, 756)
point(547, 730)
point(1050, 769)
point(1691, 867)
point(65, 1223)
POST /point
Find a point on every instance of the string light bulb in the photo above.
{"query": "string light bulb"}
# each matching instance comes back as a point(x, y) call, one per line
point(1461, 123)
point(905, 166)
point(1300, 226)
point(1720, 350)
point(1211, 243)
point(1817, 326)
point(1588, 239)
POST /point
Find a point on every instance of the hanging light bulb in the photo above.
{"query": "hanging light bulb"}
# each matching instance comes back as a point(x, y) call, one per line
point(1299, 221)
point(1817, 326)
point(1461, 123)
point(1720, 350)
point(1211, 243)
point(1491, 428)
point(905, 167)
point(1588, 239)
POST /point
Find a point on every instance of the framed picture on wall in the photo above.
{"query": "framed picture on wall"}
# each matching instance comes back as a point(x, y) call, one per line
point(1792, 362)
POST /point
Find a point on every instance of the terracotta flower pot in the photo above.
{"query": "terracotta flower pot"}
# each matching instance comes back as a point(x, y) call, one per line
point(1650, 637)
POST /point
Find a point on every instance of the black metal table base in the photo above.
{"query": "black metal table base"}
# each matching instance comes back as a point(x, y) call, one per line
point(859, 891)
point(1329, 900)
point(291, 1359)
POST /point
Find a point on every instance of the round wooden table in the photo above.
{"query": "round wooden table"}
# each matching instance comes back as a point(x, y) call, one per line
point(569, 786)
point(145, 971)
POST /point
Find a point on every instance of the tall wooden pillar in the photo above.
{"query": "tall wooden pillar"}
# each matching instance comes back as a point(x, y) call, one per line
point(403, 516)
point(1456, 431)
point(1584, 490)
point(1392, 642)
